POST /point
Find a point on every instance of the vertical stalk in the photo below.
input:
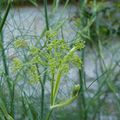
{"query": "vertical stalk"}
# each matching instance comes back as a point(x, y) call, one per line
point(82, 101)
point(42, 94)
point(46, 15)
point(6, 69)
point(52, 90)
point(44, 77)
point(99, 53)
point(42, 100)
point(49, 114)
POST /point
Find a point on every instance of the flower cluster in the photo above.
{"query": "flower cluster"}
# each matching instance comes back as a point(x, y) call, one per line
point(19, 43)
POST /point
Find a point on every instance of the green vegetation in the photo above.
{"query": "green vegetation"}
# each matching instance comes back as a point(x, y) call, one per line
point(35, 69)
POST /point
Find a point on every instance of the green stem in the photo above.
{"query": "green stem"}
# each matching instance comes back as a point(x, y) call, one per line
point(63, 104)
point(59, 74)
point(6, 69)
point(49, 114)
point(83, 112)
point(44, 77)
point(42, 93)
point(2, 42)
point(52, 90)
point(46, 14)
point(55, 91)
point(5, 16)
point(42, 101)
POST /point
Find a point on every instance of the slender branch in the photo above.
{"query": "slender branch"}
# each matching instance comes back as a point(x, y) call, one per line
point(63, 104)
